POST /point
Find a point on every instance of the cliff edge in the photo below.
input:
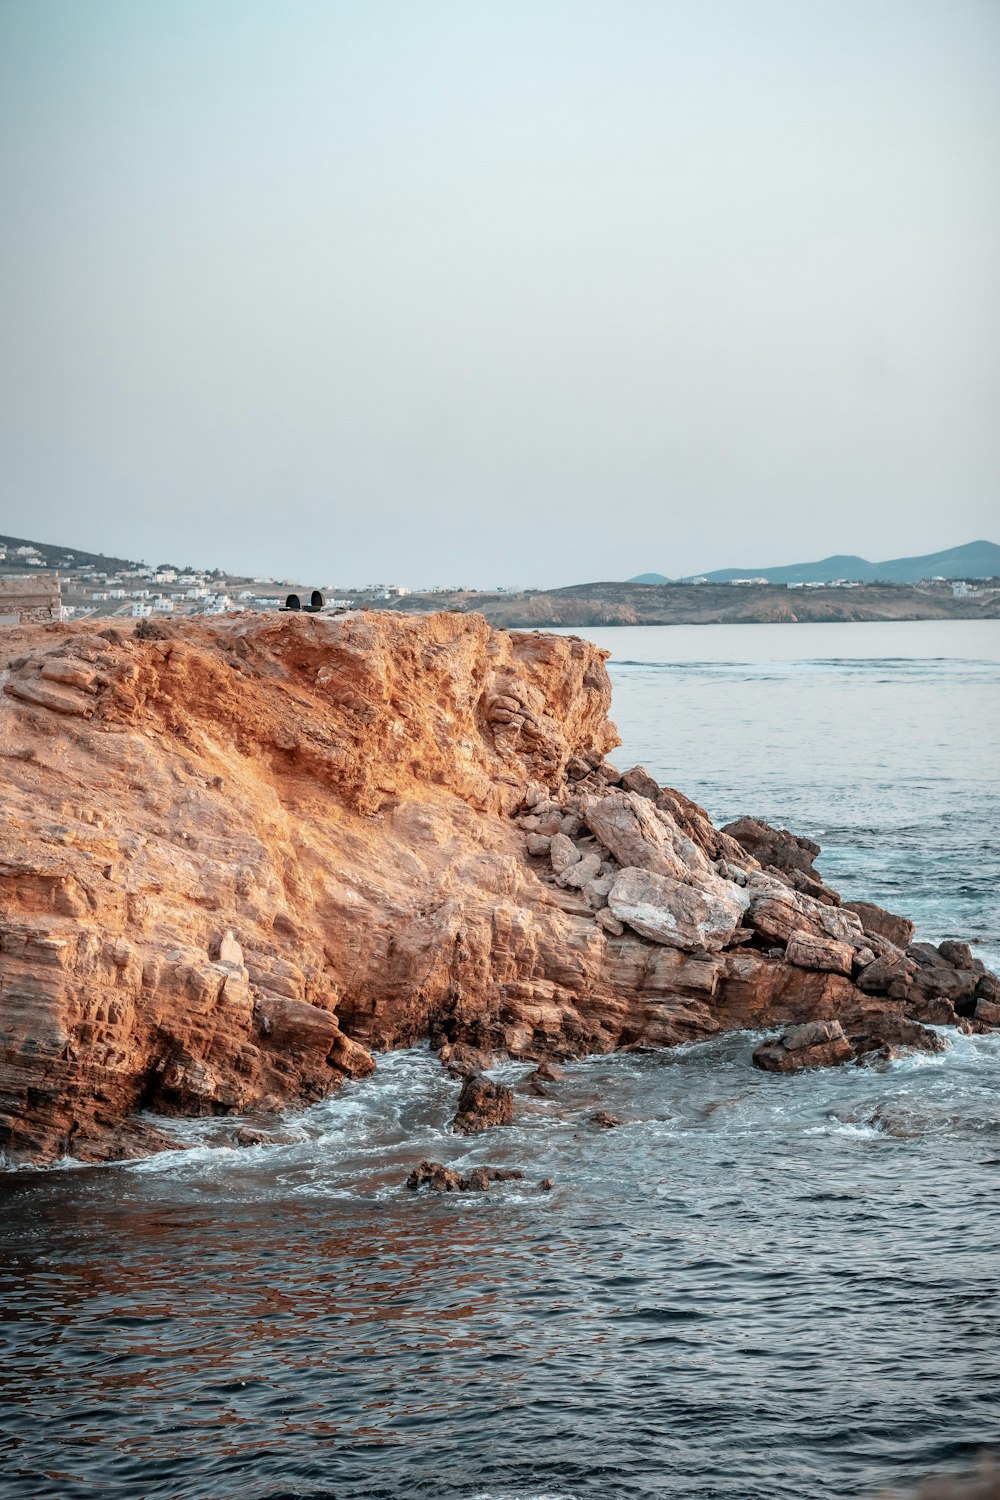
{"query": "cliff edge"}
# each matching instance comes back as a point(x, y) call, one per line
point(241, 856)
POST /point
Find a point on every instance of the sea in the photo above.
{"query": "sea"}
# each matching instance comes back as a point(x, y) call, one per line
point(755, 1288)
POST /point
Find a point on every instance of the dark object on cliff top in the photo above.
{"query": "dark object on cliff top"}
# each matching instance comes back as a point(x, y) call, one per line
point(293, 602)
point(442, 1179)
point(482, 1104)
point(152, 630)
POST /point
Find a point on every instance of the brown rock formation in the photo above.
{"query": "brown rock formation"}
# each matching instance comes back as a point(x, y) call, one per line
point(442, 1179)
point(481, 1105)
point(241, 856)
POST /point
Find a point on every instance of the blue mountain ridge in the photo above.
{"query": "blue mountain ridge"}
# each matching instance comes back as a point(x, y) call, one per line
point(974, 560)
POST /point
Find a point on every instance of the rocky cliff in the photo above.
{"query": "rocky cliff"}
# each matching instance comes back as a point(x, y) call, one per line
point(240, 857)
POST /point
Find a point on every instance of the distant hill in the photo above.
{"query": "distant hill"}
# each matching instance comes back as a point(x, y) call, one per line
point(974, 560)
point(59, 557)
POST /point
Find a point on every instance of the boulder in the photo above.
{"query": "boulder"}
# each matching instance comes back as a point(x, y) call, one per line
point(890, 1036)
point(822, 953)
point(563, 853)
point(941, 981)
point(547, 1072)
point(881, 923)
point(582, 872)
point(672, 912)
point(817, 1044)
point(350, 1057)
point(605, 1119)
point(230, 951)
point(538, 844)
point(606, 918)
point(773, 846)
point(465, 1061)
point(296, 1025)
point(481, 1105)
point(927, 956)
point(886, 976)
point(643, 837)
point(959, 955)
point(988, 1012)
point(638, 780)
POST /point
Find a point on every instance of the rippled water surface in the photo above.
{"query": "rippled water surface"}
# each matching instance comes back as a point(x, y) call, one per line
point(755, 1287)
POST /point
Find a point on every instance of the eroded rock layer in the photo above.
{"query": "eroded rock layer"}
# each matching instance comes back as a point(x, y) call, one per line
point(239, 857)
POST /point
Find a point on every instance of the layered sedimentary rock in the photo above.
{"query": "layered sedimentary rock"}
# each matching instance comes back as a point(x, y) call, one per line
point(241, 857)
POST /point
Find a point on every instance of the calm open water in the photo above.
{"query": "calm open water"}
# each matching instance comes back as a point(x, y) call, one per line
point(756, 1288)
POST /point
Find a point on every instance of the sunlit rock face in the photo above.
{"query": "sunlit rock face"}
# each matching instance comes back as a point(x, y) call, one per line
point(242, 856)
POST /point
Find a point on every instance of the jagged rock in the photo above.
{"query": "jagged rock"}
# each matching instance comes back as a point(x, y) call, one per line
point(776, 912)
point(823, 953)
point(538, 844)
point(694, 821)
point(959, 955)
point(669, 911)
point(773, 846)
point(936, 979)
point(817, 1044)
point(605, 1119)
point(891, 1036)
point(885, 976)
point(442, 1179)
point(988, 1012)
point(876, 920)
point(481, 1105)
point(643, 837)
point(988, 988)
point(935, 1010)
point(927, 956)
point(639, 780)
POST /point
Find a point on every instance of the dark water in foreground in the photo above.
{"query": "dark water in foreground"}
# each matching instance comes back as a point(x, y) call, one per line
point(756, 1287)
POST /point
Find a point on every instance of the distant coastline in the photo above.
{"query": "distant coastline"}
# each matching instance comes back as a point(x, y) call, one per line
point(601, 604)
point(78, 585)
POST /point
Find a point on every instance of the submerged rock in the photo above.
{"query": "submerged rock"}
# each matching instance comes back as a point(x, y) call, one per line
point(442, 1179)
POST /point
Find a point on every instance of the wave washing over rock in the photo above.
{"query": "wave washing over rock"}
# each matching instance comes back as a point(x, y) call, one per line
point(242, 857)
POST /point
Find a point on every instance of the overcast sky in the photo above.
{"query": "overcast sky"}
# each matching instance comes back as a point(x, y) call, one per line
point(482, 293)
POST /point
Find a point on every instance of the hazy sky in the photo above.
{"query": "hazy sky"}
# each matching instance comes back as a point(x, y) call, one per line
point(530, 292)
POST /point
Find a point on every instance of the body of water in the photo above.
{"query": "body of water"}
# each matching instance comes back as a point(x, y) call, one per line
point(755, 1288)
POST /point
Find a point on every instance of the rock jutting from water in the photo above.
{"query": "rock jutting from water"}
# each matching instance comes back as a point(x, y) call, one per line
point(243, 856)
